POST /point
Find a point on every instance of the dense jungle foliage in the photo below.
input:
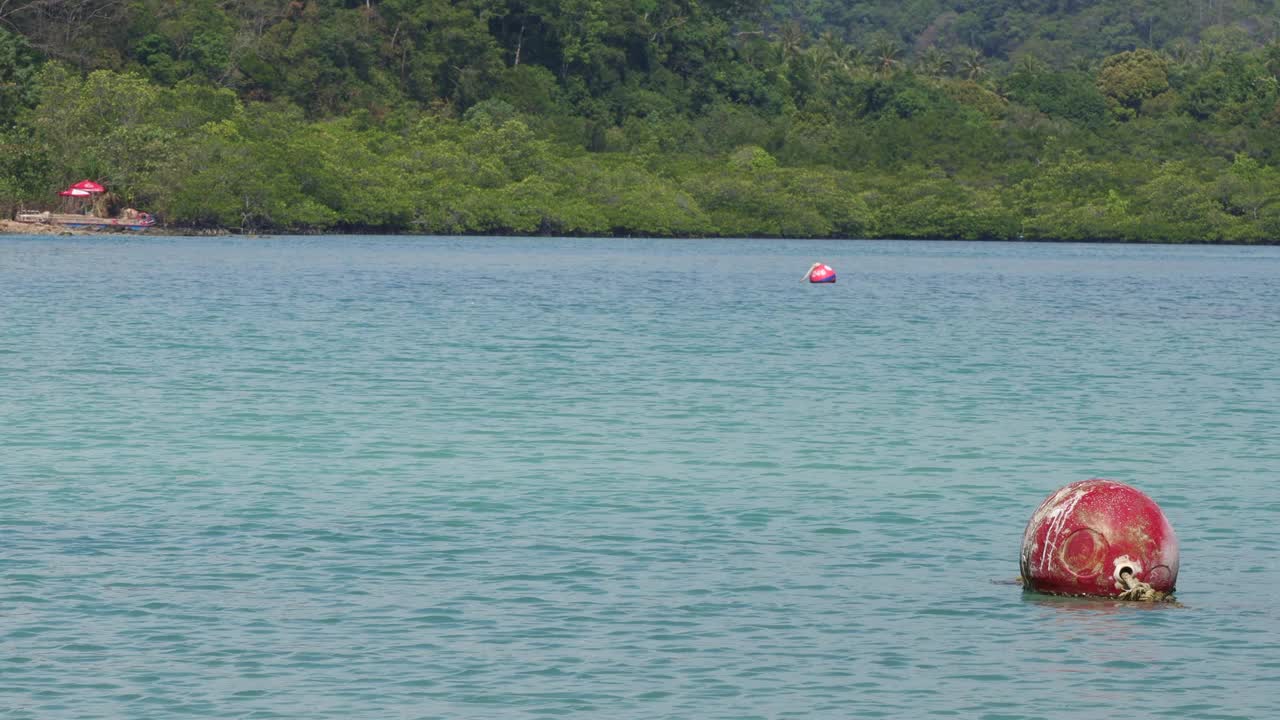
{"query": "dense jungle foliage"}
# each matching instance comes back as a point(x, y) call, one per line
point(991, 119)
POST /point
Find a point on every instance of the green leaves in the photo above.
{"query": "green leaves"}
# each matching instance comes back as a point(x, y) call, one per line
point(1130, 78)
point(244, 174)
point(1178, 206)
point(657, 117)
point(19, 64)
point(103, 126)
point(1069, 95)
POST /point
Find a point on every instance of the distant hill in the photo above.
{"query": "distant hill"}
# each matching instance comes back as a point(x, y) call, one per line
point(1061, 33)
point(1037, 119)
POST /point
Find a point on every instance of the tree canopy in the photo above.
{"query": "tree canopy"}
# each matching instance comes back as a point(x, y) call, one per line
point(1037, 119)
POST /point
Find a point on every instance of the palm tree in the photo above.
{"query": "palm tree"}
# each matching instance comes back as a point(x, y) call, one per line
point(1271, 58)
point(885, 55)
point(934, 63)
point(1029, 65)
point(821, 62)
point(830, 51)
point(973, 63)
point(834, 55)
point(791, 40)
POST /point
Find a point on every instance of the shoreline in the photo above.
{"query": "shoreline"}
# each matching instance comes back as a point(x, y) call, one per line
point(13, 227)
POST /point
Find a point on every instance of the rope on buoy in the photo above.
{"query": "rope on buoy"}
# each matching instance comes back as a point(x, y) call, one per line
point(1138, 591)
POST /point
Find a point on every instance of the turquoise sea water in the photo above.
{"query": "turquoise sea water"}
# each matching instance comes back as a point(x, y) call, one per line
point(349, 477)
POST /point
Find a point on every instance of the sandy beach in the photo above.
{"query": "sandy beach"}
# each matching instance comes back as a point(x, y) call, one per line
point(13, 227)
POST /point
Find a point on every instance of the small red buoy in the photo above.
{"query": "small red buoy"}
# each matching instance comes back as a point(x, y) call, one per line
point(821, 273)
point(1096, 537)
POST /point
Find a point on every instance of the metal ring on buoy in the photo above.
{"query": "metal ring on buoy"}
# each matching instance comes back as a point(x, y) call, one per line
point(1100, 538)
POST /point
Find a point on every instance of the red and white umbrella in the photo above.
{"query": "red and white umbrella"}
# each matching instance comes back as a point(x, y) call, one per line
point(88, 186)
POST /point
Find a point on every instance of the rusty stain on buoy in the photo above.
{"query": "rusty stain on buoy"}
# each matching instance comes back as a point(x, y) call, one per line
point(1103, 538)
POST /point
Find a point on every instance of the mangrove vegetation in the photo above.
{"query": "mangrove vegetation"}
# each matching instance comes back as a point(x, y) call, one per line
point(1038, 119)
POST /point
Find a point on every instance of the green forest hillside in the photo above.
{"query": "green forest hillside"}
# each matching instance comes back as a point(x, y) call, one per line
point(1036, 119)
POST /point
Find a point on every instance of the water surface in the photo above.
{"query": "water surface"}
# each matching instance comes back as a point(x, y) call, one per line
point(361, 477)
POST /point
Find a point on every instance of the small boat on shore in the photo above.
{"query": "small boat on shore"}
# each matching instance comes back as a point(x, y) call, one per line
point(127, 221)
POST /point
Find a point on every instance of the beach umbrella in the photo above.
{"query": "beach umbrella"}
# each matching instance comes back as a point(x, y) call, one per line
point(88, 186)
point(75, 192)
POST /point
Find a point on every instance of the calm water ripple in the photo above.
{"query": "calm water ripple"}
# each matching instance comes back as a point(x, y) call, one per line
point(474, 478)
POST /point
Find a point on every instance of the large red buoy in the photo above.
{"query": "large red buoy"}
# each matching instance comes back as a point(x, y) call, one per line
point(1099, 537)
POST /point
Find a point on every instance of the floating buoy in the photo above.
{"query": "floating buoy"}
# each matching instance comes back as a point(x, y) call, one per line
point(821, 273)
point(1103, 538)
